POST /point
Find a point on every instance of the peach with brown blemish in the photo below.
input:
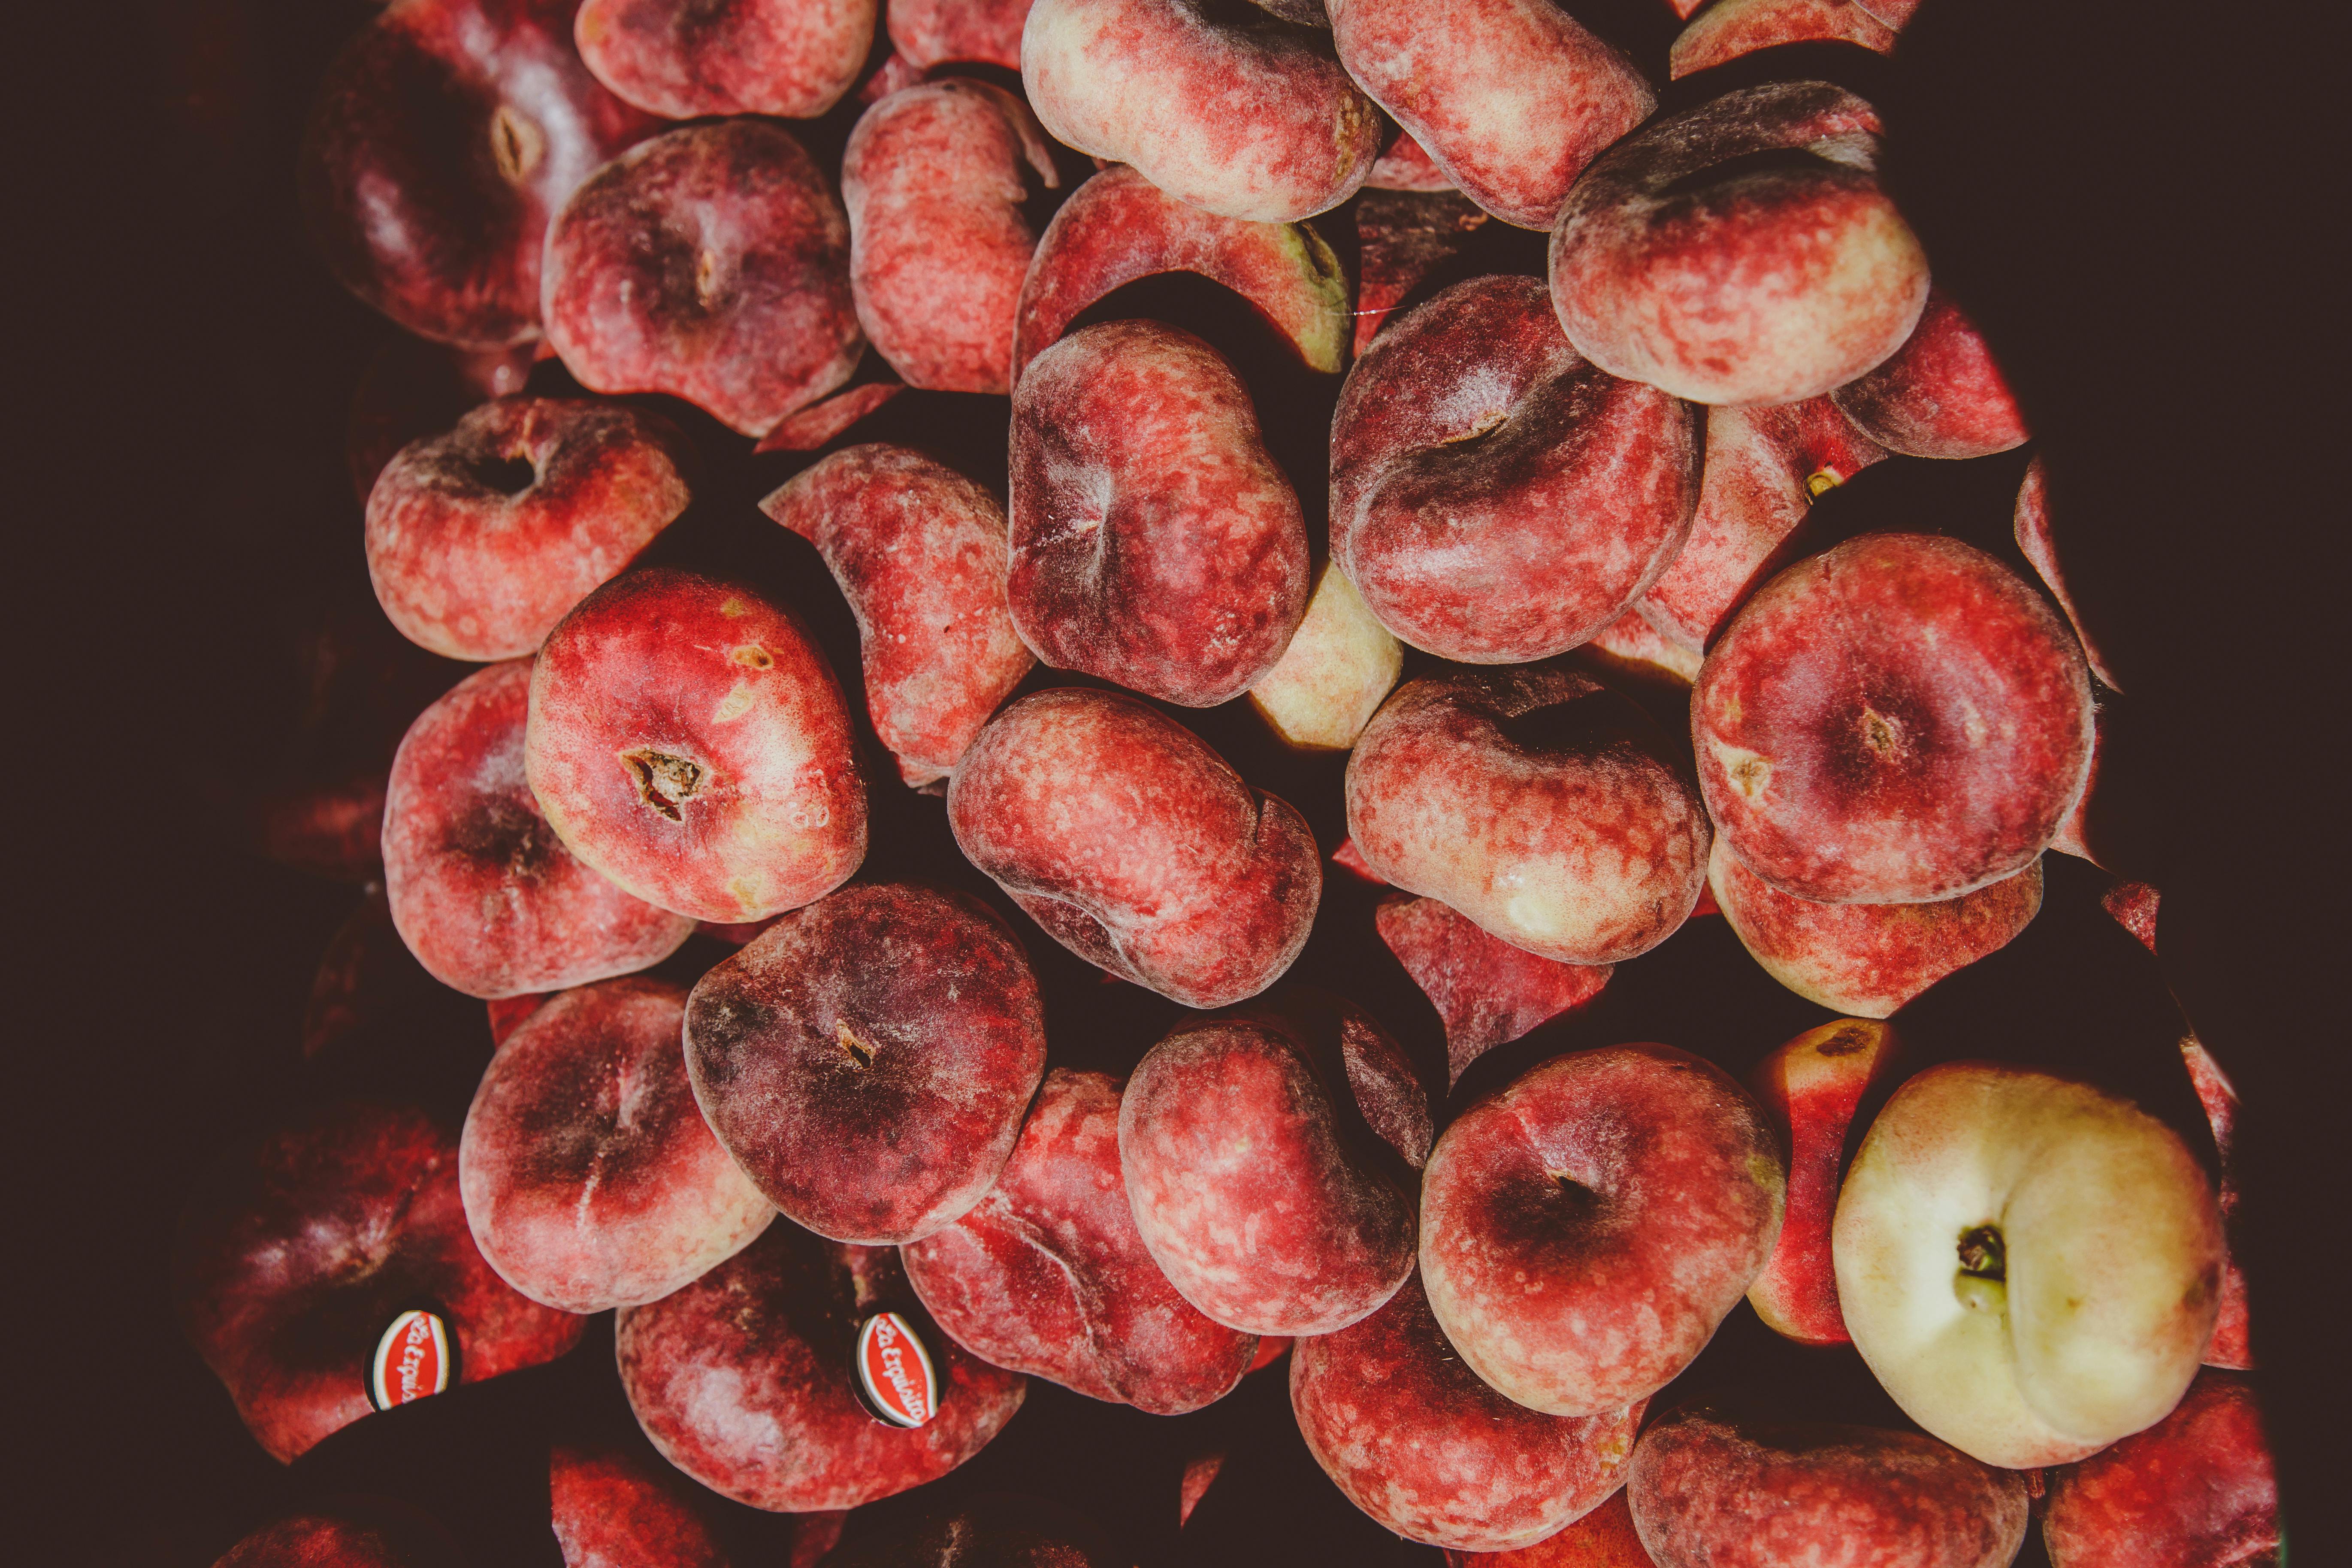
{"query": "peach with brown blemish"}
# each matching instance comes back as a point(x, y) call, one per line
point(684, 60)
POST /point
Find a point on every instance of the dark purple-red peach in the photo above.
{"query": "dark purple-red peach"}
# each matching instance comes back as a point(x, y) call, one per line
point(1941, 395)
point(610, 1510)
point(684, 60)
point(1486, 992)
point(414, 388)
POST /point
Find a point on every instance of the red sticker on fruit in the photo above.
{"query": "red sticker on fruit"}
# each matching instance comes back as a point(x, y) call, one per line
point(895, 1380)
point(411, 1361)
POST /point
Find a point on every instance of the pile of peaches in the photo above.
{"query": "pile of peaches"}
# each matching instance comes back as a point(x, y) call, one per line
point(1551, 494)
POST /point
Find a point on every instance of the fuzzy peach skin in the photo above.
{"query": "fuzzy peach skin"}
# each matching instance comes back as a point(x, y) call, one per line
point(1119, 226)
point(1257, 1183)
point(1416, 1440)
point(938, 244)
point(1487, 992)
point(1050, 1276)
point(1511, 99)
point(742, 1379)
point(1941, 396)
point(1710, 1492)
point(480, 540)
point(2040, 546)
point(687, 739)
point(294, 1255)
point(919, 552)
point(609, 1510)
point(935, 32)
point(1868, 960)
point(350, 1533)
point(1895, 721)
point(1544, 807)
point(868, 1059)
point(1495, 498)
point(589, 1178)
point(2232, 1344)
point(482, 891)
point(2198, 1490)
point(443, 138)
point(1583, 1231)
point(1764, 469)
point(1602, 1539)
point(711, 263)
point(1741, 252)
point(1226, 109)
point(1731, 29)
point(2030, 1267)
point(1136, 847)
point(1330, 681)
point(1401, 237)
point(683, 59)
point(1811, 1088)
point(1155, 541)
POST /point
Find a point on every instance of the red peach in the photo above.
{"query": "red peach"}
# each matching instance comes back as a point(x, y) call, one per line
point(480, 540)
point(868, 1059)
point(1741, 252)
point(1495, 498)
point(294, 1256)
point(1155, 542)
point(1868, 960)
point(2198, 1490)
point(2041, 547)
point(1602, 1539)
point(612, 1511)
point(1896, 720)
point(508, 1012)
point(1136, 847)
point(1050, 1276)
point(1487, 992)
point(1402, 237)
point(443, 138)
point(1546, 808)
point(1941, 395)
point(938, 243)
point(1731, 28)
point(1583, 1231)
point(483, 892)
point(683, 59)
point(711, 263)
point(919, 552)
point(2134, 906)
point(350, 1533)
point(1227, 110)
point(937, 32)
point(743, 1380)
point(688, 741)
point(1406, 166)
point(589, 1178)
point(1512, 98)
point(1119, 226)
point(816, 425)
point(414, 388)
point(1414, 1438)
point(1709, 1491)
point(2231, 1345)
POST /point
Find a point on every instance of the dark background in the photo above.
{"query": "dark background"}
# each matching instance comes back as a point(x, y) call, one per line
point(2139, 208)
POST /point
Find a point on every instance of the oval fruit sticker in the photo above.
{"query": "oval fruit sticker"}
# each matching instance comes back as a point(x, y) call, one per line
point(412, 1360)
point(895, 1380)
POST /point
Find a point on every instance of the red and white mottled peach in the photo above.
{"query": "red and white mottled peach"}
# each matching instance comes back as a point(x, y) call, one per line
point(938, 32)
point(684, 60)
point(2198, 1490)
point(1941, 395)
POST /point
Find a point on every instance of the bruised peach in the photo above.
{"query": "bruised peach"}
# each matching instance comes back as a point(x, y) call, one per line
point(1512, 98)
point(688, 741)
point(609, 1510)
point(1417, 1440)
point(1487, 992)
point(479, 540)
point(1868, 960)
point(1224, 109)
point(683, 59)
point(1731, 28)
point(936, 31)
point(2040, 546)
point(1155, 542)
point(589, 1178)
point(1709, 1491)
point(1136, 847)
point(711, 263)
point(1764, 469)
point(1259, 1184)
point(743, 1380)
point(1544, 807)
point(919, 552)
point(1897, 720)
point(1495, 498)
point(2198, 1490)
point(1941, 395)
point(1049, 1275)
point(1119, 226)
point(868, 1059)
point(1329, 680)
point(937, 245)
point(484, 893)
point(443, 139)
point(1401, 237)
point(1741, 252)
point(1583, 1231)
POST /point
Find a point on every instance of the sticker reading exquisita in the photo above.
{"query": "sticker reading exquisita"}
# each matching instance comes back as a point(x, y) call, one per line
point(895, 1380)
point(411, 1361)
